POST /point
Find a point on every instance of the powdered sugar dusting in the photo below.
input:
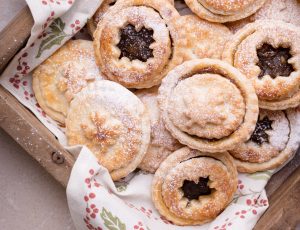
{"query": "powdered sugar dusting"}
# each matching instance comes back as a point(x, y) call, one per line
point(119, 136)
point(162, 143)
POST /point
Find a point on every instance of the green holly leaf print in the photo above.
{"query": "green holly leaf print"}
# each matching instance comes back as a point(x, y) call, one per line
point(261, 175)
point(55, 36)
point(57, 26)
point(111, 222)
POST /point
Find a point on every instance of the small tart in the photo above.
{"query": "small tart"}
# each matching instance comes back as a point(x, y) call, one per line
point(139, 47)
point(61, 76)
point(104, 7)
point(268, 53)
point(208, 105)
point(202, 39)
point(113, 123)
point(224, 10)
point(192, 187)
point(275, 141)
point(284, 10)
point(162, 143)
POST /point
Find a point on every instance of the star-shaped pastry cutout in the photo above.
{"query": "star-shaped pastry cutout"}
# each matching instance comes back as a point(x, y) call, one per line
point(103, 134)
point(259, 135)
point(136, 44)
point(274, 61)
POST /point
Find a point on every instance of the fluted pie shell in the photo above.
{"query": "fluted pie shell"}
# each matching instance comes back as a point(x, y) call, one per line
point(187, 164)
point(113, 123)
point(61, 76)
point(224, 10)
point(274, 142)
point(274, 92)
point(155, 16)
point(208, 105)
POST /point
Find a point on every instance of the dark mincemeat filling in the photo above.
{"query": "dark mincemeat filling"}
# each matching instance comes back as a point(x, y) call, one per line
point(274, 61)
point(135, 44)
point(259, 135)
point(192, 190)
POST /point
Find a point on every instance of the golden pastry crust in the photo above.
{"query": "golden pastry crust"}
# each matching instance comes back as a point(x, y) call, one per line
point(93, 22)
point(61, 76)
point(202, 39)
point(208, 105)
point(113, 123)
point(284, 10)
point(104, 7)
point(167, 187)
point(284, 142)
point(131, 71)
point(224, 10)
point(274, 93)
point(162, 143)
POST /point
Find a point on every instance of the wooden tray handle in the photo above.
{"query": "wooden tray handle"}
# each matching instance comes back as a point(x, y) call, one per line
point(17, 121)
point(14, 36)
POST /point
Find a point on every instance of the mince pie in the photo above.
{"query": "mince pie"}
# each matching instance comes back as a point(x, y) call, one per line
point(268, 53)
point(113, 123)
point(138, 47)
point(208, 105)
point(274, 141)
point(61, 76)
point(192, 187)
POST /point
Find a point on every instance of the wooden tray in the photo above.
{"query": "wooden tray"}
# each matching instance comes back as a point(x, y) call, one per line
point(283, 189)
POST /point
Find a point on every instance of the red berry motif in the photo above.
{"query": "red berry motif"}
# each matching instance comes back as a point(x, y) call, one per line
point(240, 185)
point(248, 202)
point(57, 2)
point(139, 226)
point(92, 195)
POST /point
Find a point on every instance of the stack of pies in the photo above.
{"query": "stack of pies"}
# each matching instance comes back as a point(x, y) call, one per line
point(180, 96)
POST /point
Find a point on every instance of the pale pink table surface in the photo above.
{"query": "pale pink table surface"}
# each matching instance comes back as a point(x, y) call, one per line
point(30, 199)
